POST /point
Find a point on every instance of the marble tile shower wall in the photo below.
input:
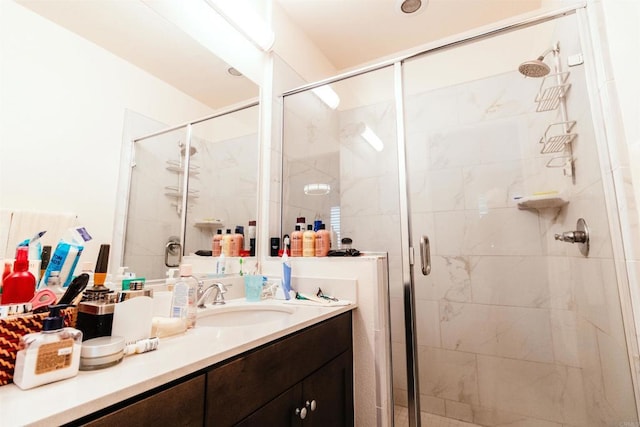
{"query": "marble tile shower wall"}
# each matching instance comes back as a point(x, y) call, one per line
point(513, 327)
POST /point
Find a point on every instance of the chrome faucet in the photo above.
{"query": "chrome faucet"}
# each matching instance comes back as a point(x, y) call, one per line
point(204, 292)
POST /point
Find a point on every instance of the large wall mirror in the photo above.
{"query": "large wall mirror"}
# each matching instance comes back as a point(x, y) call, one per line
point(79, 78)
point(216, 160)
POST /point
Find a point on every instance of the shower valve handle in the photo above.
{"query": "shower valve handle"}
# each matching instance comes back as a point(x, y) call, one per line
point(572, 237)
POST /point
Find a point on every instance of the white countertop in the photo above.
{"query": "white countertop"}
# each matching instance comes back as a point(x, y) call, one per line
point(177, 356)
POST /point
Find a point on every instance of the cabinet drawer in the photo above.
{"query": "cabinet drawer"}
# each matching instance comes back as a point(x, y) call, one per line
point(238, 388)
point(180, 405)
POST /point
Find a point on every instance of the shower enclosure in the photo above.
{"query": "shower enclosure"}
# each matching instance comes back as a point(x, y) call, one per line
point(494, 321)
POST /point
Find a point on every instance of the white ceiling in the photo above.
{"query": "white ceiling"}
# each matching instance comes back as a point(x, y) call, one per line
point(354, 32)
point(348, 32)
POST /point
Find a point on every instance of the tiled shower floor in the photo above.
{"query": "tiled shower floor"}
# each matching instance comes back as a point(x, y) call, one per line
point(401, 419)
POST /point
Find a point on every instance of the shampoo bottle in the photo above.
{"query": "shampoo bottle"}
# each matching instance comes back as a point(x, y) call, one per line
point(183, 304)
point(323, 241)
point(237, 243)
point(50, 355)
point(19, 286)
point(216, 244)
point(227, 243)
point(296, 242)
point(309, 242)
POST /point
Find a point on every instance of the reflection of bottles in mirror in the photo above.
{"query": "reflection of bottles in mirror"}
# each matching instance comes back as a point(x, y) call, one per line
point(227, 243)
point(296, 242)
point(251, 234)
point(323, 241)
point(216, 245)
point(237, 243)
point(302, 222)
point(309, 242)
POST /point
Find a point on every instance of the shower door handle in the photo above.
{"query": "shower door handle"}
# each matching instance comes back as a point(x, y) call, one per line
point(425, 255)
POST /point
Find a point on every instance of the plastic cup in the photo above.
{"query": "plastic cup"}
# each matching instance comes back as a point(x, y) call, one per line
point(253, 287)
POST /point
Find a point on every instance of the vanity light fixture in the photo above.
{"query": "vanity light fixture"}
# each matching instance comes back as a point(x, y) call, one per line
point(241, 16)
point(373, 139)
point(328, 96)
point(317, 189)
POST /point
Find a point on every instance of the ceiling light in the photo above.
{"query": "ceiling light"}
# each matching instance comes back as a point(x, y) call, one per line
point(328, 96)
point(317, 189)
point(372, 138)
point(234, 72)
point(410, 7)
point(246, 20)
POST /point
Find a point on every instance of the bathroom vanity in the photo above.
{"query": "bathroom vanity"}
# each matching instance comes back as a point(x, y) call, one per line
point(276, 373)
point(304, 376)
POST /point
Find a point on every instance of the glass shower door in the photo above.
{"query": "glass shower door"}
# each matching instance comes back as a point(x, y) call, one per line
point(512, 326)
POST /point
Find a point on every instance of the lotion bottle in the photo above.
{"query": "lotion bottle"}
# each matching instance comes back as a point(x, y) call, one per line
point(50, 355)
point(185, 291)
point(296, 242)
point(309, 242)
point(237, 242)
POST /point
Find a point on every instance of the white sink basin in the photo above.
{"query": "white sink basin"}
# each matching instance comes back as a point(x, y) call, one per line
point(245, 315)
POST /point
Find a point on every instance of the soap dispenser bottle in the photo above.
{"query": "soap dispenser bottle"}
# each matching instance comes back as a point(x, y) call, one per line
point(50, 355)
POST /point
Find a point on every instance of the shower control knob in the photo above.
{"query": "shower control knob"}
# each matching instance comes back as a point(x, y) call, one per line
point(579, 236)
point(572, 237)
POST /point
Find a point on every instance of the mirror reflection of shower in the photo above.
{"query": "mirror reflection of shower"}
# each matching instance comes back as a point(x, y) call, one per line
point(177, 166)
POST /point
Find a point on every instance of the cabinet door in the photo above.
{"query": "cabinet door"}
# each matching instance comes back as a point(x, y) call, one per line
point(280, 412)
point(328, 394)
point(180, 405)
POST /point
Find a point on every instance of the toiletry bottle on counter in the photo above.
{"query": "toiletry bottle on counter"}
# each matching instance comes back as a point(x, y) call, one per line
point(251, 234)
point(185, 293)
point(309, 242)
point(296, 242)
point(227, 243)
point(19, 286)
point(216, 244)
point(50, 355)
point(237, 242)
point(323, 241)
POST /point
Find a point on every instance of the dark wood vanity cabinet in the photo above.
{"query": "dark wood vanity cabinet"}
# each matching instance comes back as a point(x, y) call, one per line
point(303, 379)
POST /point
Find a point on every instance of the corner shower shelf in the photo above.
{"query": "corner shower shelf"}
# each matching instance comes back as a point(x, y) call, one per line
point(542, 201)
point(174, 192)
point(175, 166)
point(552, 89)
point(557, 136)
point(213, 224)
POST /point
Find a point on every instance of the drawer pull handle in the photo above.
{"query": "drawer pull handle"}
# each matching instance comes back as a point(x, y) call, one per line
point(311, 405)
point(302, 413)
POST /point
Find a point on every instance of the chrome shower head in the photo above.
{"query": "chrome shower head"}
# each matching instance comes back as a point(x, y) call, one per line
point(535, 68)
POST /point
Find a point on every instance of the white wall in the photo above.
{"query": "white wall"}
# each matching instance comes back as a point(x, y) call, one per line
point(62, 107)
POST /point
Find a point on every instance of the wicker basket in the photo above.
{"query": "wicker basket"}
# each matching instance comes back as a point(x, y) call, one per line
point(13, 328)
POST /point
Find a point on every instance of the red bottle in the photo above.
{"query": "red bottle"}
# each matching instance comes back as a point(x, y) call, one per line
point(19, 286)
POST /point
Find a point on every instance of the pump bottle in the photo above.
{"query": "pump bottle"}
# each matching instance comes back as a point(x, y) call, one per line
point(50, 355)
